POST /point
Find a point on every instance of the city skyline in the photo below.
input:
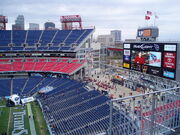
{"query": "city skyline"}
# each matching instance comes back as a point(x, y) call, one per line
point(124, 15)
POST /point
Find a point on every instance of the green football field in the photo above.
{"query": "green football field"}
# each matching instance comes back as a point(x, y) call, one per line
point(6, 119)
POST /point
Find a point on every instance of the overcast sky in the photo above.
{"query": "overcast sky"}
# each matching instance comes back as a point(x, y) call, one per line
point(105, 15)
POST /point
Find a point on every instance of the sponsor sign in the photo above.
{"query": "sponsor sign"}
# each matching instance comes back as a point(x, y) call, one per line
point(126, 45)
point(126, 52)
point(169, 47)
point(154, 71)
point(147, 47)
point(169, 60)
point(126, 58)
point(126, 65)
point(169, 74)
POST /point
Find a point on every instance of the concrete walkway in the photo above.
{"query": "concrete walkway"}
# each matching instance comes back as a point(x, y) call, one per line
point(31, 119)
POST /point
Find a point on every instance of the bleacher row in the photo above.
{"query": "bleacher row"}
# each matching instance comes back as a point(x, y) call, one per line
point(55, 65)
point(74, 110)
point(42, 40)
point(70, 109)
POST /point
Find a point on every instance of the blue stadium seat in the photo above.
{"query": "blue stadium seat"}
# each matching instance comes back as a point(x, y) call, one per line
point(47, 36)
point(33, 37)
point(5, 37)
point(18, 37)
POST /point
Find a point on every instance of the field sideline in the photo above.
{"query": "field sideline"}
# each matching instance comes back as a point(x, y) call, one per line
point(6, 118)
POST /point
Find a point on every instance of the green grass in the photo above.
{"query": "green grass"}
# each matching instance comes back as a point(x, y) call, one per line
point(40, 124)
point(4, 116)
point(26, 119)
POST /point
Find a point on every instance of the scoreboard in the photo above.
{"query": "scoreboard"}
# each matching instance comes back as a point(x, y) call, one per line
point(155, 58)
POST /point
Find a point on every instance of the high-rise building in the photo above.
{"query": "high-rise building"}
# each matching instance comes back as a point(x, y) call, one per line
point(49, 25)
point(105, 40)
point(116, 34)
point(33, 26)
point(19, 23)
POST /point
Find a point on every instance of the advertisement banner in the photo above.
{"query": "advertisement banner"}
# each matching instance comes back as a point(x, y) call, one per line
point(169, 74)
point(169, 47)
point(127, 46)
point(126, 65)
point(126, 52)
point(169, 60)
point(126, 58)
point(147, 47)
point(155, 71)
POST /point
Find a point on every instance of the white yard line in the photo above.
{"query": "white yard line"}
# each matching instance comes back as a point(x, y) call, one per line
point(9, 121)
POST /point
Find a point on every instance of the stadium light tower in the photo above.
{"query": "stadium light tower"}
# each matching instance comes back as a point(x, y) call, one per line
point(3, 21)
point(68, 20)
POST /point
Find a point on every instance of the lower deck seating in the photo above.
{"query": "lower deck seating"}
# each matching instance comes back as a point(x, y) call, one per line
point(77, 111)
point(69, 108)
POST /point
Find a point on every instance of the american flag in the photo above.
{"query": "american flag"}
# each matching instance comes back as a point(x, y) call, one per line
point(149, 13)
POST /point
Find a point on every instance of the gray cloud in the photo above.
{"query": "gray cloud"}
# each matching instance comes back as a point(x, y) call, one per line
point(105, 15)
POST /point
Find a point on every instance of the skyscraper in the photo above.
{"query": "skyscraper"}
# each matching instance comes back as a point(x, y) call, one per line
point(49, 25)
point(116, 34)
point(33, 26)
point(19, 23)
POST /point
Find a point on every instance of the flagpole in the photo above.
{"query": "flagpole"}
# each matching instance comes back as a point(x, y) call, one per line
point(154, 18)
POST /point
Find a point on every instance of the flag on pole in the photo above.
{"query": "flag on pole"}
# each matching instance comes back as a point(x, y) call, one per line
point(147, 17)
point(149, 13)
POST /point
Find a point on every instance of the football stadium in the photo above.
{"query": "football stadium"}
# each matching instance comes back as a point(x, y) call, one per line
point(46, 88)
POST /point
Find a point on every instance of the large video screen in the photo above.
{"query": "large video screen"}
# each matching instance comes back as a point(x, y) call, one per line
point(157, 59)
point(149, 58)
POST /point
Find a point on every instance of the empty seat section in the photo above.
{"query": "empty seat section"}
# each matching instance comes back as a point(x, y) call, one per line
point(87, 32)
point(59, 66)
point(30, 60)
point(5, 87)
point(74, 67)
point(42, 48)
point(67, 67)
point(3, 49)
point(18, 60)
point(32, 82)
point(65, 48)
point(39, 66)
point(5, 37)
point(18, 37)
point(47, 36)
point(42, 60)
point(17, 66)
point(75, 34)
point(49, 66)
point(30, 49)
point(54, 48)
point(33, 37)
point(17, 48)
point(43, 84)
point(5, 67)
point(28, 66)
point(18, 85)
point(4, 60)
point(60, 37)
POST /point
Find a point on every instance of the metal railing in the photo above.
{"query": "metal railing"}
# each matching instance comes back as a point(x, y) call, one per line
point(151, 113)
